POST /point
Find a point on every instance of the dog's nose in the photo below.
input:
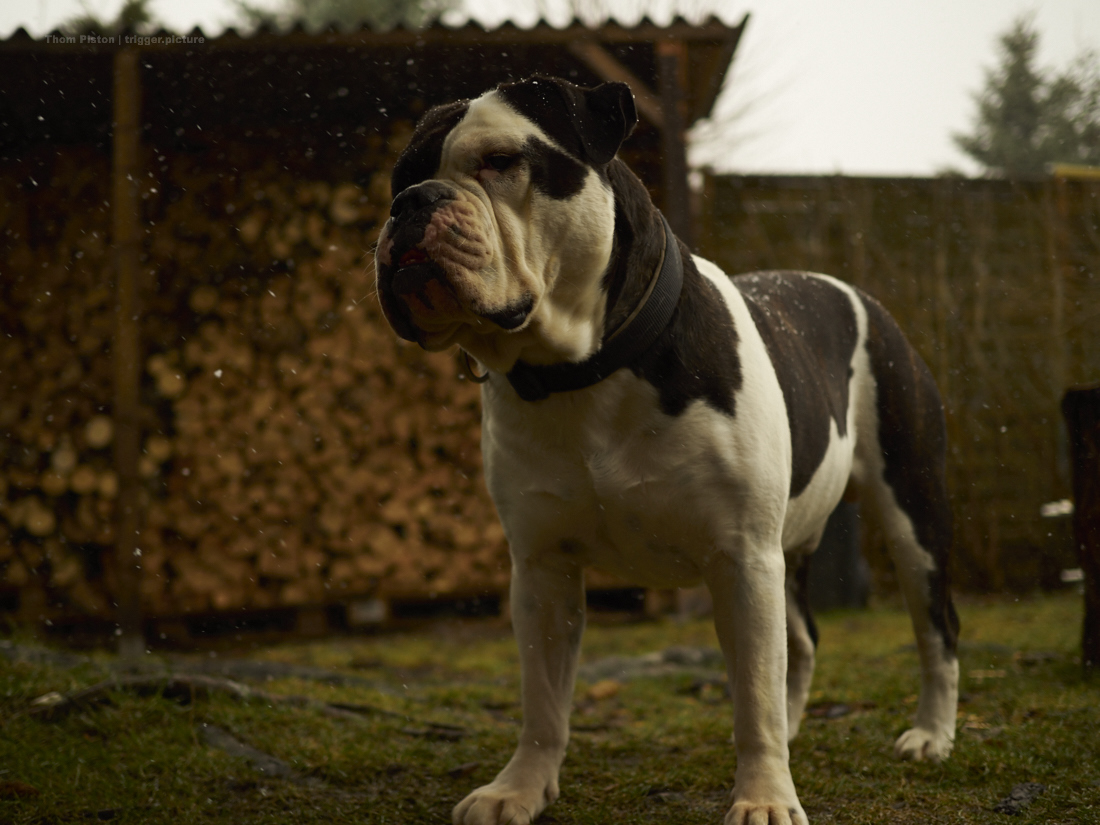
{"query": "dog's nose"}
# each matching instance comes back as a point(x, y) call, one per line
point(417, 197)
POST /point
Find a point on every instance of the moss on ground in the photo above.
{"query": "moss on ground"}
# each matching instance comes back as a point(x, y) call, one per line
point(654, 751)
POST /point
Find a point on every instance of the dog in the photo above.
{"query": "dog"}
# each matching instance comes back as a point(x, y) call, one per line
point(647, 414)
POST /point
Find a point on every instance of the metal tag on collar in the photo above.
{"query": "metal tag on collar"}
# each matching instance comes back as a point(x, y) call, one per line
point(468, 368)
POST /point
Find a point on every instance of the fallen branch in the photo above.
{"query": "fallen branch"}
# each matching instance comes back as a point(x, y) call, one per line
point(185, 687)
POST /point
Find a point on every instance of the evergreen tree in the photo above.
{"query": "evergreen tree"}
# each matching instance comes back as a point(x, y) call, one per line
point(1029, 117)
point(134, 16)
point(347, 14)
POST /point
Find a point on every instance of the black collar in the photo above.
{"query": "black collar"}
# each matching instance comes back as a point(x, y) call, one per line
point(534, 382)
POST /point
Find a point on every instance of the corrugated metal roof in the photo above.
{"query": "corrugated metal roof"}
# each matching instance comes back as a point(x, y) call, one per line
point(469, 31)
point(57, 89)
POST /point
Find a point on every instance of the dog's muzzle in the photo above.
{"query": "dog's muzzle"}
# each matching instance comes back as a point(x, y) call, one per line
point(406, 272)
point(429, 264)
point(410, 213)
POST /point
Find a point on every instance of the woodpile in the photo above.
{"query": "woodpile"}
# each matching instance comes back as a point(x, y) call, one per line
point(57, 484)
point(294, 450)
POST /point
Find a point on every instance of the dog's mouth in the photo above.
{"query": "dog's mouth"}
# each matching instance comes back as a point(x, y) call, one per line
point(413, 256)
point(407, 282)
point(422, 295)
point(415, 270)
point(420, 282)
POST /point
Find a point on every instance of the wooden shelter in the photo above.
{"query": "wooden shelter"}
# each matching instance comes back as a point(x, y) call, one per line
point(61, 89)
point(135, 100)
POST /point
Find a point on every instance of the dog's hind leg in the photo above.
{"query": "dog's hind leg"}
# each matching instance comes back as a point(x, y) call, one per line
point(801, 641)
point(923, 578)
point(902, 455)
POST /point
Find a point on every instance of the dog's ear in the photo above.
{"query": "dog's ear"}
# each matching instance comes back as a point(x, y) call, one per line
point(606, 120)
point(590, 124)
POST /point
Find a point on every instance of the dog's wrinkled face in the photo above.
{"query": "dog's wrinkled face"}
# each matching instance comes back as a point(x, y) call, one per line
point(502, 223)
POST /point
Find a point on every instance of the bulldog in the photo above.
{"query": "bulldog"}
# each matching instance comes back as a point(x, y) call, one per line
point(647, 414)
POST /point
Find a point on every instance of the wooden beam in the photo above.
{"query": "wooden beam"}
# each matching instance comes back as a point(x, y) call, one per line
point(714, 72)
point(604, 64)
point(671, 72)
point(126, 349)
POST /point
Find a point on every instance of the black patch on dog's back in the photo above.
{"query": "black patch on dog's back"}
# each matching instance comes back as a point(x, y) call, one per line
point(912, 434)
point(420, 160)
point(809, 329)
point(696, 355)
point(553, 173)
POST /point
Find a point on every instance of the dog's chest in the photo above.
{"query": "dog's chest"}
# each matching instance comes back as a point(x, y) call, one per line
point(635, 492)
point(646, 502)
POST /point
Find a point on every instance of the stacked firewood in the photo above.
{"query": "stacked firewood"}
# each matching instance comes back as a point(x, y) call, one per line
point(57, 482)
point(294, 451)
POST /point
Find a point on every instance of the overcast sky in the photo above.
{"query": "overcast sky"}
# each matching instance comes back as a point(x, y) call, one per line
point(847, 86)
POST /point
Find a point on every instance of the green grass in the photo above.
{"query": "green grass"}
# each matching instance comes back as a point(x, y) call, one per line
point(657, 751)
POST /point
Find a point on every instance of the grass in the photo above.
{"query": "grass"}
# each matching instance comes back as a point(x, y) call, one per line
point(655, 751)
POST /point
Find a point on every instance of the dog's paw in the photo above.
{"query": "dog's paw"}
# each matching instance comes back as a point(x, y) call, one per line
point(921, 743)
point(749, 813)
point(765, 798)
point(501, 803)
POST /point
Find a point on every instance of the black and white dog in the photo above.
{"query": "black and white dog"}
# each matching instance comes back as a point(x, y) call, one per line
point(647, 414)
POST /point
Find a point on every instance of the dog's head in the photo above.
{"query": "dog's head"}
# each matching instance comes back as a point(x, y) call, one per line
point(503, 222)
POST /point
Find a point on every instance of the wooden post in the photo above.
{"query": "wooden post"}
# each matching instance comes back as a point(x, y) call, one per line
point(1057, 251)
point(1081, 409)
point(671, 71)
point(859, 199)
point(941, 216)
point(981, 219)
point(126, 349)
point(817, 239)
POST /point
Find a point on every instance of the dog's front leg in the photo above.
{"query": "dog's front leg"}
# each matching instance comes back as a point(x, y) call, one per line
point(750, 618)
point(548, 618)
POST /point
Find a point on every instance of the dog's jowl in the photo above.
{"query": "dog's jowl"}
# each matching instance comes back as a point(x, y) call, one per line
point(647, 414)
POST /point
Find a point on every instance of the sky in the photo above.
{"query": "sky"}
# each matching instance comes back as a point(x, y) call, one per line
point(858, 87)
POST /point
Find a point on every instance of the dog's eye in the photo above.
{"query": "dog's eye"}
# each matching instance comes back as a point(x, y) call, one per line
point(498, 161)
